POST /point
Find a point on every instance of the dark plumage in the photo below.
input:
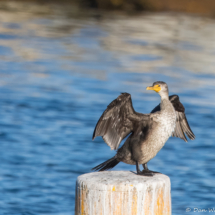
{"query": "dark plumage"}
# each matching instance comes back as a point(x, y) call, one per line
point(109, 164)
point(117, 121)
point(148, 132)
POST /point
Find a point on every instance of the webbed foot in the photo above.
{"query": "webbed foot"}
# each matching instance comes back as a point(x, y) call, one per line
point(145, 173)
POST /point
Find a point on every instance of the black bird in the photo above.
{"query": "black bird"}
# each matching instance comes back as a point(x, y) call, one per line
point(148, 132)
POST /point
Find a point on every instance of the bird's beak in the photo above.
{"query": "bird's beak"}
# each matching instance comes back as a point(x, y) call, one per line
point(156, 88)
point(149, 88)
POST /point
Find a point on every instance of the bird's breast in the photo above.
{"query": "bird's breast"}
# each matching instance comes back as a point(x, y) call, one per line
point(167, 122)
point(162, 130)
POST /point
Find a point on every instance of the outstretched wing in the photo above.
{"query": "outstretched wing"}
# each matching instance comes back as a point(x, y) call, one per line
point(117, 121)
point(182, 126)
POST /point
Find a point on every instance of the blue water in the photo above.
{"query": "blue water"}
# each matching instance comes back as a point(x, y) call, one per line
point(58, 73)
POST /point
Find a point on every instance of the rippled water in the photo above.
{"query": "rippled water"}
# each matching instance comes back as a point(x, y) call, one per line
point(58, 73)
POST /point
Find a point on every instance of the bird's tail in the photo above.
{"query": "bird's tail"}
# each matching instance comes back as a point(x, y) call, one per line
point(109, 164)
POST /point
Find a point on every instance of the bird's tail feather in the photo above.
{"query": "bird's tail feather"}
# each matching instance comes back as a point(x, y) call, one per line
point(109, 164)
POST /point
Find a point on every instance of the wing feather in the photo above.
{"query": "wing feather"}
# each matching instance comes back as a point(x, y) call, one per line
point(117, 121)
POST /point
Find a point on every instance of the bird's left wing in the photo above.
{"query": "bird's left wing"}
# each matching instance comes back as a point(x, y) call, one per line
point(117, 121)
point(182, 126)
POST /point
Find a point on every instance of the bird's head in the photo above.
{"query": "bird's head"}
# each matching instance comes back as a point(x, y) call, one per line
point(159, 87)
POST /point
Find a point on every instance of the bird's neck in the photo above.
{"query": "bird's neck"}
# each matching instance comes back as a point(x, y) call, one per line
point(164, 96)
point(164, 99)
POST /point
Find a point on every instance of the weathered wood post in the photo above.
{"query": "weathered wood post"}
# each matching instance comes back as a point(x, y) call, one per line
point(122, 193)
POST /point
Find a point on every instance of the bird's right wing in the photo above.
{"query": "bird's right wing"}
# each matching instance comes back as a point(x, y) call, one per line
point(117, 121)
point(182, 126)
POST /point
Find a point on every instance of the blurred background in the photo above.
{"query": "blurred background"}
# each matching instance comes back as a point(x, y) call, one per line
point(62, 63)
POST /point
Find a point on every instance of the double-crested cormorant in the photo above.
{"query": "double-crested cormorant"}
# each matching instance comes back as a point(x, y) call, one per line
point(148, 132)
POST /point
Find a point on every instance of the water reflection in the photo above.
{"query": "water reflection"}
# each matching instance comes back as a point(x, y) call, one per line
point(60, 71)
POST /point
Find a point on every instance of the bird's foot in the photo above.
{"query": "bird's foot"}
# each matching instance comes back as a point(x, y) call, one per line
point(147, 173)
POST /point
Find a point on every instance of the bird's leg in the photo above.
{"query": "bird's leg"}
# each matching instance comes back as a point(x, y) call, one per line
point(138, 168)
point(146, 170)
point(145, 166)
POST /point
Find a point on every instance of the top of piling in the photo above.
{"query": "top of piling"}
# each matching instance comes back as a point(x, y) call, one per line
point(121, 179)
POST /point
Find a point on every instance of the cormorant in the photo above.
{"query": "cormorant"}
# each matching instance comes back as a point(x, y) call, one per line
point(148, 132)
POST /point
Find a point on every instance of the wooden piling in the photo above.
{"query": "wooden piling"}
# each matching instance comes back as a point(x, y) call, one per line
point(122, 193)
